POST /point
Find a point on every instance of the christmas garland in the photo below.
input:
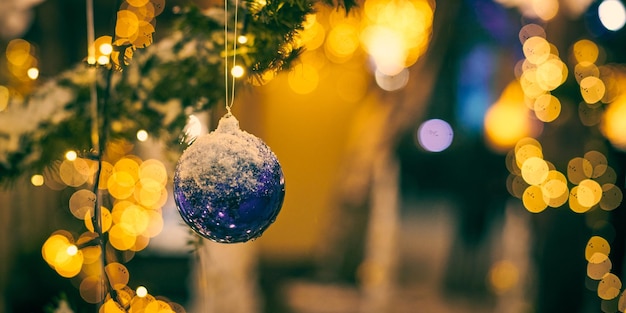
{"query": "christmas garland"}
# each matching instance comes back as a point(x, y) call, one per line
point(181, 74)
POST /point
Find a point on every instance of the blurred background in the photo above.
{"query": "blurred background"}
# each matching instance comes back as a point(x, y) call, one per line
point(399, 132)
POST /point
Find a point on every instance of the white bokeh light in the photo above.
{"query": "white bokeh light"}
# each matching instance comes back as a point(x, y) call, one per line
point(612, 14)
point(435, 135)
point(142, 135)
point(391, 83)
point(142, 291)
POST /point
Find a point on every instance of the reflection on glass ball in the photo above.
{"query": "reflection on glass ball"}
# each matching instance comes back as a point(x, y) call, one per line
point(228, 185)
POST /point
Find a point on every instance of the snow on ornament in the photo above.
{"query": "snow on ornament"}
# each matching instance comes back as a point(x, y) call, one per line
point(228, 184)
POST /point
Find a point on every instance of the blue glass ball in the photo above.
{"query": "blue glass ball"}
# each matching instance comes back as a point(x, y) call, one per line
point(228, 184)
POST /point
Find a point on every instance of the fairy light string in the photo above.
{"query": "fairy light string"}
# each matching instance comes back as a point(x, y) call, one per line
point(95, 132)
point(99, 140)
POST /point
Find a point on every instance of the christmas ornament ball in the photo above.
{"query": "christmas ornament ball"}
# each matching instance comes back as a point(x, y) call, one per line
point(228, 184)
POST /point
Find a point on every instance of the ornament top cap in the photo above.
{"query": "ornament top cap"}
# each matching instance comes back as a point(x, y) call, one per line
point(228, 124)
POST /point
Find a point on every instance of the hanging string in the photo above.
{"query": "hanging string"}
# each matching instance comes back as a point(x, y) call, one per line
point(229, 101)
point(232, 98)
point(226, 103)
point(93, 92)
point(93, 107)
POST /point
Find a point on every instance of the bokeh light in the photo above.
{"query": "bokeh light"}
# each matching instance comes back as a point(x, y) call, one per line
point(590, 114)
point(81, 202)
point(589, 193)
point(70, 155)
point(612, 125)
point(37, 180)
point(547, 108)
point(542, 9)
point(609, 287)
point(531, 30)
point(585, 50)
point(535, 170)
point(395, 34)
point(392, 83)
point(594, 182)
point(536, 49)
point(106, 220)
point(612, 14)
point(18, 51)
point(597, 270)
point(506, 121)
point(242, 39)
point(72, 250)
point(60, 254)
point(503, 276)
point(105, 48)
point(103, 60)
point(541, 72)
point(435, 135)
point(585, 69)
point(102, 48)
point(386, 47)
point(545, 9)
point(92, 289)
point(142, 291)
point(612, 197)
point(117, 275)
point(341, 42)
point(313, 34)
point(21, 59)
point(142, 135)
point(597, 249)
point(237, 71)
point(592, 89)
point(554, 189)
point(303, 79)
point(134, 29)
point(138, 189)
point(32, 73)
point(540, 185)
point(533, 199)
point(4, 97)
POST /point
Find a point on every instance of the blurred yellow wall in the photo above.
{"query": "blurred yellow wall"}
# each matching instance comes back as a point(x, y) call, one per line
point(308, 133)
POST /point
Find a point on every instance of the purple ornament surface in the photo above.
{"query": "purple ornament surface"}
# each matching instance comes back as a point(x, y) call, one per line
point(228, 185)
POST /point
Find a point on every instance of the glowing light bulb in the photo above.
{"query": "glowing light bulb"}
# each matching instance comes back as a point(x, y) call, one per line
point(612, 14)
point(142, 135)
point(72, 250)
point(71, 155)
point(103, 59)
point(33, 73)
point(142, 291)
point(242, 39)
point(36, 180)
point(237, 71)
point(106, 48)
